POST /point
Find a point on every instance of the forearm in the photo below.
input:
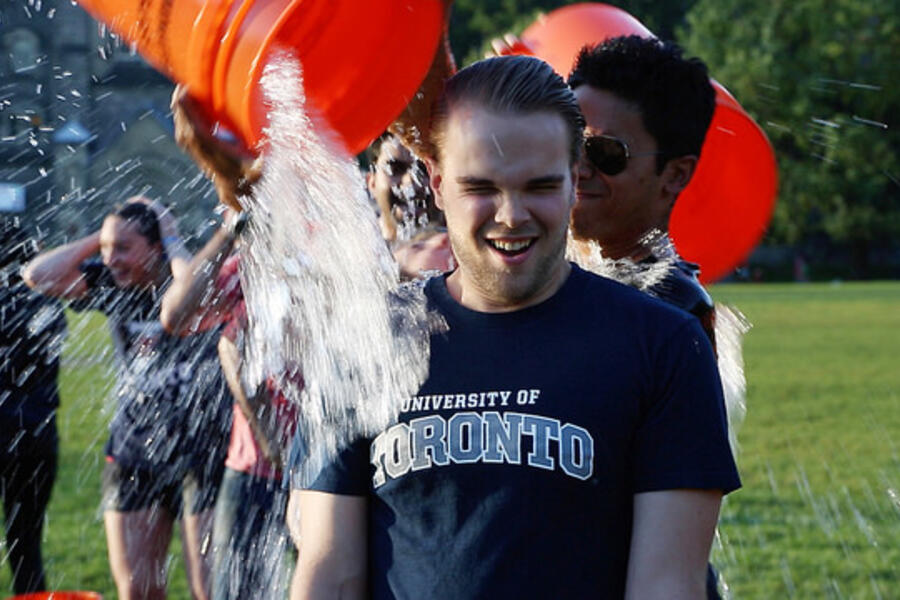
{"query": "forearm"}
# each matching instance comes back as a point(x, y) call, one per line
point(312, 584)
point(230, 358)
point(412, 124)
point(57, 272)
point(190, 296)
point(333, 546)
point(177, 252)
point(672, 533)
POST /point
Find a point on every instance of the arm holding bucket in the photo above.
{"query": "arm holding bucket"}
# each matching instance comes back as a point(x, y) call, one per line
point(231, 168)
point(414, 123)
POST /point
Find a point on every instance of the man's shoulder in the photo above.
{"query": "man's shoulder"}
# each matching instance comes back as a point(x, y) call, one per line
point(608, 294)
point(681, 287)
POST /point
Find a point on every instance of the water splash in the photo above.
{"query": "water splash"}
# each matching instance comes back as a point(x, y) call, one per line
point(642, 275)
point(731, 326)
point(321, 286)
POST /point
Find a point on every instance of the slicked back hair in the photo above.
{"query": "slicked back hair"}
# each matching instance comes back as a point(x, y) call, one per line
point(509, 84)
point(374, 149)
point(673, 94)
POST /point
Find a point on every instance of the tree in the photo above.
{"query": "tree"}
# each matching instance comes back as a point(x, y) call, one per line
point(820, 76)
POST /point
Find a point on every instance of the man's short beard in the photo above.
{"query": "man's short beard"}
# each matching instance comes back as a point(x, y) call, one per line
point(493, 284)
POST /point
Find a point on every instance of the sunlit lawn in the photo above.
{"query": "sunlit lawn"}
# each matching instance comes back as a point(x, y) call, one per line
point(819, 514)
point(74, 542)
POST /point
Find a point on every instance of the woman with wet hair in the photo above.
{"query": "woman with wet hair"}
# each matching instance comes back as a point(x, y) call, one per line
point(165, 452)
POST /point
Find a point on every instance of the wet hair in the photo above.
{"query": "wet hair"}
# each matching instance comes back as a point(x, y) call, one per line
point(673, 94)
point(142, 217)
point(374, 149)
point(510, 84)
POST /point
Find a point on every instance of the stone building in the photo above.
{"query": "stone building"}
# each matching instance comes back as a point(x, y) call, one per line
point(84, 123)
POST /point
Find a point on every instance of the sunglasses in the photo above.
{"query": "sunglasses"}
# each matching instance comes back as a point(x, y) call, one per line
point(609, 154)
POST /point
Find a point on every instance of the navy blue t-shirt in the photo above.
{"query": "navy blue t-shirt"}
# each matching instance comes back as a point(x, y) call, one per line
point(172, 410)
point(512, 472)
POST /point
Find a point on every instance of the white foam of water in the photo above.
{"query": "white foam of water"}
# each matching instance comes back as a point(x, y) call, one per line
point(641, 275)
point(321, 286)
point(731, 325)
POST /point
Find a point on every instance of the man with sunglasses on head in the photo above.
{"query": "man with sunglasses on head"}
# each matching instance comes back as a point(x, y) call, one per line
point(647, 110)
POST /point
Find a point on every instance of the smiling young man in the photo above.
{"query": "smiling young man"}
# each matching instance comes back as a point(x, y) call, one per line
point(555, 449)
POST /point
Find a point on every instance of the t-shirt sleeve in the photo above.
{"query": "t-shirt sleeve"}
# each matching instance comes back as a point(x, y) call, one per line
point(350, 473)
point(682, 439)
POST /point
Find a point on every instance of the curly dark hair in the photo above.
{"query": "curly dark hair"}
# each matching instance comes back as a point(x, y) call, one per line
point(673, 94)
point(521, 84)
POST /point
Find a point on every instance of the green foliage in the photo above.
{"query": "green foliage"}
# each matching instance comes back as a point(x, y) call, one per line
point(820, 77)
point(474, 23)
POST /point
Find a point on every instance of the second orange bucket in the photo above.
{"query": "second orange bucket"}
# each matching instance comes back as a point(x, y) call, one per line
point(362, 61)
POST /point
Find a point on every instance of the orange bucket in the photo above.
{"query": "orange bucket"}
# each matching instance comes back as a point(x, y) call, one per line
point(58, 596)
point(362, 60)
point(723, 213)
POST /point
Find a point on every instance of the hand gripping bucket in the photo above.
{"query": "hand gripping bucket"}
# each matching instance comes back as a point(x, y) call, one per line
point(363, 60)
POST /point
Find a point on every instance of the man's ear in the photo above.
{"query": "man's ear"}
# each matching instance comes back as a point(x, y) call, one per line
point(435, 180)
point(677, 175)
point(370, 181)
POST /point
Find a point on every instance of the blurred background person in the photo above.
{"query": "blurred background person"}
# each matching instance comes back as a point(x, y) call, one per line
point(428, 250)
point(32, 329)
point(398, 184)
point(647, 109)
point(166, 445)
point(249, 532)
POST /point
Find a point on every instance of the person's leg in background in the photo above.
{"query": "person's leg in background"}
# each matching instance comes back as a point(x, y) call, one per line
point(139, 514)
point(26, 482)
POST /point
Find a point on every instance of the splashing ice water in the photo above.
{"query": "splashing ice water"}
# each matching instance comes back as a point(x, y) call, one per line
point(642, 275)
point(731, 326)
point(321, 287)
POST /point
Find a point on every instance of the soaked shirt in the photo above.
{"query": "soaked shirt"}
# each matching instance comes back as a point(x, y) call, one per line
point(512, 472)
point(171, 406)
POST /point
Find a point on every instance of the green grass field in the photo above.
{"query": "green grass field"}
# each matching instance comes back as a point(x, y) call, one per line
point(819, 514)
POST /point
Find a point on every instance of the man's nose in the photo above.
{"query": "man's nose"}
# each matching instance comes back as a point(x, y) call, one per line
point(511, 211)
